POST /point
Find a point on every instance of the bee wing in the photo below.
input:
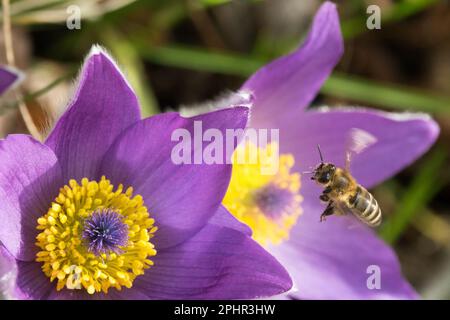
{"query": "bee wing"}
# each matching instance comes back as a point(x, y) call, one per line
point(358, 141)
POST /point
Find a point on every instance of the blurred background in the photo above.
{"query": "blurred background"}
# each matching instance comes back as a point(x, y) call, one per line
point(187, 51)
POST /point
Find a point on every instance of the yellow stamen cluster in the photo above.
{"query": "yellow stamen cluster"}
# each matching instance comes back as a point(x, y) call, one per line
point(64, 253)
point(249, 179)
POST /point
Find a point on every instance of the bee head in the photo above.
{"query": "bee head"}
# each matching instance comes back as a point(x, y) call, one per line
point(323, 173)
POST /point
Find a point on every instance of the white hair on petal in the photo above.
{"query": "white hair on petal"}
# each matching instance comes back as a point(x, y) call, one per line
point(97, 49)
point(226, 100)
point(406, 116)
point(396, 116)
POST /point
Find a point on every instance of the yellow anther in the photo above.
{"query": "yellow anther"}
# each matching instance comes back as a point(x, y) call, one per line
point(50, 247)
point(51, 220)
point(56, 207)
point(60, 285)
point(62, 218)
point(62, 245)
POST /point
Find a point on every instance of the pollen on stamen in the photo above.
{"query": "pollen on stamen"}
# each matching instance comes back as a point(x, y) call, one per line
point(269, 204)
point(95, 238)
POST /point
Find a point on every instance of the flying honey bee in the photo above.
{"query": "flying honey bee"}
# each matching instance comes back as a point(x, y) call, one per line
point(341, 191)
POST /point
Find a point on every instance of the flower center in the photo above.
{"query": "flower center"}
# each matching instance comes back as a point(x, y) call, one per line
point(268, 203)
point(94, 237)
point(105, 232)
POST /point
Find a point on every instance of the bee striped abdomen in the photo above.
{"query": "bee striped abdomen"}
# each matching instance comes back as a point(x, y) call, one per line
point(365, 207)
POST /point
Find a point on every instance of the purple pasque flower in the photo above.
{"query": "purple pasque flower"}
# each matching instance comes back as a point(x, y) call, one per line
point(100, 211)
point(9, 77)
point(333, 259)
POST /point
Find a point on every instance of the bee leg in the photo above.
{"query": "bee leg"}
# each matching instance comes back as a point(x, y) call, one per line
point(324, 196)
point(327, 190)
point(329, 210)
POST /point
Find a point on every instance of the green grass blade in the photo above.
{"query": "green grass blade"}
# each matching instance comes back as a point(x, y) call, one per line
point(424, 186)
point(391, 96)
point(199, 59)
point(127, 56)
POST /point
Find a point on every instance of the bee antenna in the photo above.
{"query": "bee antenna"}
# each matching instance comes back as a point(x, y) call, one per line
point(320, 153)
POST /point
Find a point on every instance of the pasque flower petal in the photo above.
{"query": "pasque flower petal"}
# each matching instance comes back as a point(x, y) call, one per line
point(224, 219)
point(30, 178)
point(8, 78)
point(216, 263)
point(32, 284)
point(290, 83)
point(335, 259)
point(103, 106)
point(181, 197)
point(400, 139)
